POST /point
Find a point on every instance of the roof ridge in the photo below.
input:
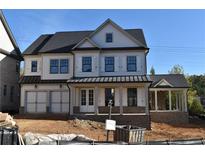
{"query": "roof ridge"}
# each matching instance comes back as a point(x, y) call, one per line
point(163, 74)
point(74, 31)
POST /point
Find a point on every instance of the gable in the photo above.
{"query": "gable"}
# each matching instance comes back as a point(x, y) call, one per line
point(163, 83)
point(120, 39)
point(5, 42)
point(86, 43)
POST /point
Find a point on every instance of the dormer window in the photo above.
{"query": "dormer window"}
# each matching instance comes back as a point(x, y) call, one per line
point(34, 66)
point(109, 37)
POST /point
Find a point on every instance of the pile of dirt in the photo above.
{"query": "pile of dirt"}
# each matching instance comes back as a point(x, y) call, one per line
point(88, 124)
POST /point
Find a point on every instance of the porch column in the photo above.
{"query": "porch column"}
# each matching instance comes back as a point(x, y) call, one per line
point(96, 99)
point(72, 96)
point(185, 100)
point(120, 99)
point(156, 106)
point(170, 100)
point(146, 99)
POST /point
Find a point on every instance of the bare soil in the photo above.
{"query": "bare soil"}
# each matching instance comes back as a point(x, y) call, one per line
point(96, 130)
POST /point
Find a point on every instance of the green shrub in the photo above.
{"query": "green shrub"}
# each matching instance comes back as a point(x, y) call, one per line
point(196, 107)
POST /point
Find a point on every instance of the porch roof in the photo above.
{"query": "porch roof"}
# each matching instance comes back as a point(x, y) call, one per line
point(111, 79)
point(38, 80)
point(175, 80)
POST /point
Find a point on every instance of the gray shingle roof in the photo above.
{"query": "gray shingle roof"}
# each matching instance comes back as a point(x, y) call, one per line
point(37, 44)
point(176, 80)
point(65, 41)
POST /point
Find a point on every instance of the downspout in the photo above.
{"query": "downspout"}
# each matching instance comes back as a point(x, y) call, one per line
point(69, 90)
point(146, 53)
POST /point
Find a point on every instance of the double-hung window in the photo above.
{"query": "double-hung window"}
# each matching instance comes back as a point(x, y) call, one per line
point(131, 64)
point(64, 63)
point(34, 66)
point(132, 96)
point(86, 64)
point(109, 64)
point(54, 64)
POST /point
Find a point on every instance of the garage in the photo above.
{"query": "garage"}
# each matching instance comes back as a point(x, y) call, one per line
point(36, 101)
point(59, 101)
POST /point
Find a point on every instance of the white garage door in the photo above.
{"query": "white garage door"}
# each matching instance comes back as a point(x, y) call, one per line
point(36, 102)
point(59, 101)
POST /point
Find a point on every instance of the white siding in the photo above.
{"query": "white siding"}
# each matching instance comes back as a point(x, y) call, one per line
point(124, 96)
point(78, 64)
point(46, 66)
point(85, 44)
point(27, 65)
point(117, 96)
point(119, 39)
point(121, 63)
point(101, 98)
point(141, 97)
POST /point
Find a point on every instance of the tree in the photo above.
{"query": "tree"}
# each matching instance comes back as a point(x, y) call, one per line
point(176, 69)
point(152, 71)
point(196, 107)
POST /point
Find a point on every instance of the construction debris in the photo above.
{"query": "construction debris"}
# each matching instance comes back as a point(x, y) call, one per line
point(6, 120)
point(54, 139)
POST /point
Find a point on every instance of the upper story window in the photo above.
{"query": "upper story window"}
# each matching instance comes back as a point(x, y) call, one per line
point(131, 64)
point(87, 64)
point(64, 66)
point(109, 64)
point(34, 66)
point(109, 38)
point(54, 66)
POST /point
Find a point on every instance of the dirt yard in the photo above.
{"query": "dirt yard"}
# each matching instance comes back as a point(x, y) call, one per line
point(95, 130)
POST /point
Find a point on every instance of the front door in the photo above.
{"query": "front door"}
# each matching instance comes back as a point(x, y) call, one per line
point(87, 100)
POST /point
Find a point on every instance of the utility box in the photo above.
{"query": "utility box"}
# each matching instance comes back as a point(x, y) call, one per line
point(129, 134)
point(9, 136)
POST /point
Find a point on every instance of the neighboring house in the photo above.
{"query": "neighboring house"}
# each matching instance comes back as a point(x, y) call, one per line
point(10, 57)
point(78, 72)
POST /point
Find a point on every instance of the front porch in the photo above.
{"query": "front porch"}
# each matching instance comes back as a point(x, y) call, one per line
point(92, 99)
point(168, 105)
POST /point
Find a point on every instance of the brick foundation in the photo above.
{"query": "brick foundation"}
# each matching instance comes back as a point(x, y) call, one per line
point(170, 117)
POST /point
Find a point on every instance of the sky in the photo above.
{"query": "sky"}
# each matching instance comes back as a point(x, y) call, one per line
point(173, 36)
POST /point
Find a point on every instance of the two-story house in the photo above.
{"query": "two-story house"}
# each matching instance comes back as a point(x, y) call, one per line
point(80, 72)
point(10, 57)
